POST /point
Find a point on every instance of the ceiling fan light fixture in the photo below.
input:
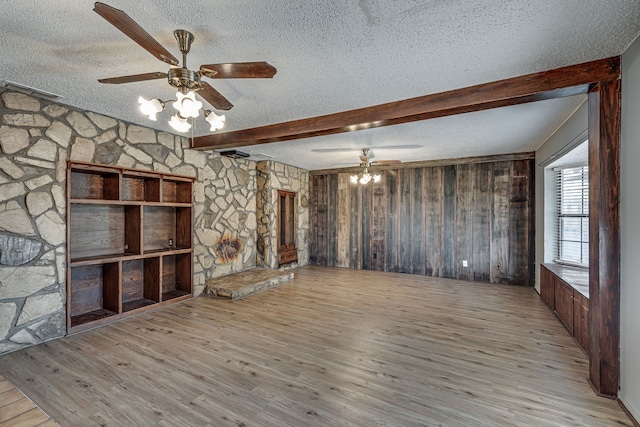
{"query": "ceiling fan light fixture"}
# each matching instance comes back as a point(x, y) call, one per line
point(179, 123)
point(215, 121)
point(365, 178)
point(187, 105)
point(354, 179)
point(150, 107)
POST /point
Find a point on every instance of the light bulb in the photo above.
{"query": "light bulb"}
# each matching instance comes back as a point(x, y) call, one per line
point(354, 179)
point(187, 105)
point(150, 108)
point(216, 122)
point(376, 178)
point(179, 124)
point(365, 178)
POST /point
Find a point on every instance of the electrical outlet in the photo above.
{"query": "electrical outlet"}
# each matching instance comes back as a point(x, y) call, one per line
point(170, 242)
point(465, 263)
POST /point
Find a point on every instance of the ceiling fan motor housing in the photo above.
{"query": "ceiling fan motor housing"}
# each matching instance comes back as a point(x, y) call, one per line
point(184, 79)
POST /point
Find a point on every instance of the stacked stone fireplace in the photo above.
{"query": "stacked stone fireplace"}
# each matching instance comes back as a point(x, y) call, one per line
point(38, 136)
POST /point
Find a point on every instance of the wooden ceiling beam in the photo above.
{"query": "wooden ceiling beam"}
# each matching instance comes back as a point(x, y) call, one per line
point(557, 83)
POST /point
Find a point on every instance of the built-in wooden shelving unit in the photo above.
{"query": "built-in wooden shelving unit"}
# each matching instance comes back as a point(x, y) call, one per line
point(129, 242)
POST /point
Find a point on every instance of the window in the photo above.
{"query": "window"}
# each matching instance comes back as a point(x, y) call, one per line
point(572, 212)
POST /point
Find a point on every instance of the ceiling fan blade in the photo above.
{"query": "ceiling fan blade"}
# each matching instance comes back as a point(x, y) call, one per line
point(134, 78)
point(214, 97)
point(238, 70)
point(128, 26)
point(385, 162)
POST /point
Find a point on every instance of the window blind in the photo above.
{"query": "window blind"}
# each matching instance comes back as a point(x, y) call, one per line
point(572, 208)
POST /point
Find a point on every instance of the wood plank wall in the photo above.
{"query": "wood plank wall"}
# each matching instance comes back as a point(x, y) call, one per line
point(427, 220)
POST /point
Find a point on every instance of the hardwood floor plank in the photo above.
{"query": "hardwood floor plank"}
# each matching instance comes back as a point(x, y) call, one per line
point(16, 408)
point(28, 419)
point(5, 386)
point(333, 347)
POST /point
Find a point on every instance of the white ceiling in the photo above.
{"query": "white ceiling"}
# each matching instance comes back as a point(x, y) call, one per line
point(331, 56)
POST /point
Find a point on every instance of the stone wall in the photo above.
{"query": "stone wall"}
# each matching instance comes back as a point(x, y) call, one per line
point(37, 137)
point(274, 176)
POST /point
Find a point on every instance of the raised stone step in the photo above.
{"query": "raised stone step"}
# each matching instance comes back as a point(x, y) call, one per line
point(245, 283)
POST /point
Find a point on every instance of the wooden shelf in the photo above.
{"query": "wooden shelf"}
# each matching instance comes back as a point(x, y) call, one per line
point(91, 316)
point(167, 296)
point(129, 242)
point(101, 259)
point(104, 202)
point(93, 260)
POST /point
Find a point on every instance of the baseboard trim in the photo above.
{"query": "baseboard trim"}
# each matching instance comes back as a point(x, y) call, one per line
point(626, 411)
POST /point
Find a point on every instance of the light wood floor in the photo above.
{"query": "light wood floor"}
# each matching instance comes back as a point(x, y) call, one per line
point(16, 410)
point(332, 347)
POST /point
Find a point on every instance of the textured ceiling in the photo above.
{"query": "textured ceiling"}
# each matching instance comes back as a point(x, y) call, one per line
point(331, 56)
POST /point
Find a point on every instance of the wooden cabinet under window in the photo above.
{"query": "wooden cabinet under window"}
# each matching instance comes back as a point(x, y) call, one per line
point(129, 242)
point(287, 252)
point(568, 304)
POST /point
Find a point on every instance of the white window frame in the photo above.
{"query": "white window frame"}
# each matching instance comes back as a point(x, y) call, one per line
point(572, 206)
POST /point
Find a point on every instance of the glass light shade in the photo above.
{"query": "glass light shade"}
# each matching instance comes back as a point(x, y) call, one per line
point(150, 108)
point(216, 122)
point(376, 178)
point(365, 178)
point(179, 124)
point(354, 179)
point(187, 105)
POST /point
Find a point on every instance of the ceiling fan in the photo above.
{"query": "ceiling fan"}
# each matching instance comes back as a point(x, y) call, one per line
point(180, 77)
point(365, 176)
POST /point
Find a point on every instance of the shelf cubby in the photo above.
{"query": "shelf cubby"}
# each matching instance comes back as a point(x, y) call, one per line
point(176, 276)
point(140, 283)
point(129, 243)
point(95, 291)
point(176, 191)
point(97, 230)
point(95, 184)
point(166, 228)
point(140, 187)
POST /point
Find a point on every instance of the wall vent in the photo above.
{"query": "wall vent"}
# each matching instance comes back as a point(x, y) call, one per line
point(234, 154)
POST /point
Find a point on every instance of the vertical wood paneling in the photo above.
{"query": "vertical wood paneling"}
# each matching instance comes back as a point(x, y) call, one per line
point(343, 221)
point(365, 226)
point(500, 223)
point(378, 232)
point(464, 221)
point(332, 221)
point(355, 213)
point(518, 271)
point(433, 221)
point(428, 220)
point(404, 221)
point(449, 222)
point(318, 220)
point(482, 222)
point(391, 242)
point(417, 222)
